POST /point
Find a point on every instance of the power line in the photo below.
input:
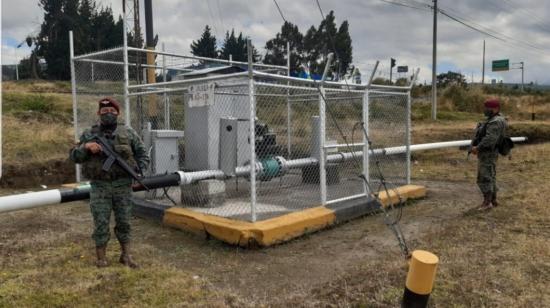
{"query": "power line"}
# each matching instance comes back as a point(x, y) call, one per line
point(456, 16)
point(279, 9)
point(406, 5)
point(469, 26)
point(511, 41)
point(543, 25)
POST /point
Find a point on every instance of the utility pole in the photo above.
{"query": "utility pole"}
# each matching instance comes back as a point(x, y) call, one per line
point(483, 66)
point(522, 70)
point(434, 65)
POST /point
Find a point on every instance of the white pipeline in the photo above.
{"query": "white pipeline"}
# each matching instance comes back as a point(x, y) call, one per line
point(48, 197)
point(29, 200)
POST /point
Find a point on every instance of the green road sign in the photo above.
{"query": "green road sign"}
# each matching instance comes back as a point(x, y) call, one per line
point(501, 65)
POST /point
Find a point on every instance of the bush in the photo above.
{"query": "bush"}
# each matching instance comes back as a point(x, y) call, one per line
point(28, 102)
point(465, 100)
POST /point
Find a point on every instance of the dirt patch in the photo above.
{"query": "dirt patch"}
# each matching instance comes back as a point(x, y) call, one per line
point(54, 172)
point(293, 273)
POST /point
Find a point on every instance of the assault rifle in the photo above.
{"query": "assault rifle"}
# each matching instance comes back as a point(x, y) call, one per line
point(479, 134)
point(113, 157)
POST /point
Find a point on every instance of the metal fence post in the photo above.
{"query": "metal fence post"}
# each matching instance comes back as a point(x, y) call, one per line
point(408, 132)
point(252, 132)
point(322, 150)
point(408, 136)
point(73, 91)
point(165, 96)
point(365, 140)
point(127, 117)
point(366, 106)
point(288, 107)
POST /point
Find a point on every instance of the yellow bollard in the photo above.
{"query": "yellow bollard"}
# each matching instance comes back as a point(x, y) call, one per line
point(420, 279)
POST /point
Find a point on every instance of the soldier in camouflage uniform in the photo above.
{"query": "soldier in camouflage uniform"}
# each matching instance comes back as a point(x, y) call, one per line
point(111, 190)
point(490, 134)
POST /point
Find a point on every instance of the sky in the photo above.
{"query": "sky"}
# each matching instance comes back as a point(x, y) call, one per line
point(379, 30)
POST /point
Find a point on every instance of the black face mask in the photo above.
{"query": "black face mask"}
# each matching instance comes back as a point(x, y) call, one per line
point(488, 113)
point(108, 119)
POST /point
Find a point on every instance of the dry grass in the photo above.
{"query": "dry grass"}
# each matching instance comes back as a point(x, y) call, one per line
point(37, 86)
point(35, 141)
point(46, 261)
point(497, 258)
point(493, 259)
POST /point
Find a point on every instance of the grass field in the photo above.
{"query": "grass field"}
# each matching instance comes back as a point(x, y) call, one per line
point(499, 258)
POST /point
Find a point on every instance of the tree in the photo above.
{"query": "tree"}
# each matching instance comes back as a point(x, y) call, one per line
point(86, 26)
point(319, 42)
point(276, 48)
point(450, 78)
point(93, 29)
point(105, 32)
point(401, 81)
point(343, 47)
point(231, 47)
point(206, 45)
point(236, 47)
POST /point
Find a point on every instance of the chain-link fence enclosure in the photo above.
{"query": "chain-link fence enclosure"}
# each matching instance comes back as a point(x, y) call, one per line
point(250, 145)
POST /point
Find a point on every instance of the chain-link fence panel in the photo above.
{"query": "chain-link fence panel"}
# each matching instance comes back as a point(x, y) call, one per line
point(96, 77)
point(285, 146)
point(388, 127)
point(343, 138)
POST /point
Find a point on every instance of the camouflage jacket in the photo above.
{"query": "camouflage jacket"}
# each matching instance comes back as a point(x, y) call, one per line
point(125, 141)
point(494, 132)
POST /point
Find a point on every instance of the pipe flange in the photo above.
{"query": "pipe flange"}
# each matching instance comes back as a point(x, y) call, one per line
point(283, 165)
point(185, 179)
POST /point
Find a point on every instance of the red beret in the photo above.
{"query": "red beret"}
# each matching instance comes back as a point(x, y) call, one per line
point(492, 103)
point(109, 102)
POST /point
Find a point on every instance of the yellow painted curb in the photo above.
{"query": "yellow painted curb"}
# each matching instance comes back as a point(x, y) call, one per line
point(266, 232)
point(405, 192)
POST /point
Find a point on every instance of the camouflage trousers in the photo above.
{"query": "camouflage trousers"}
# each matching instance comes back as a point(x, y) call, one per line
point(486, 172)
point(107, 196)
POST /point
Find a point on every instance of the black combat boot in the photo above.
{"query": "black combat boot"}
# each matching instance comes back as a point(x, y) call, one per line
point(486, 205)
point(101, 252)
point(126, 257)
point(494, 199)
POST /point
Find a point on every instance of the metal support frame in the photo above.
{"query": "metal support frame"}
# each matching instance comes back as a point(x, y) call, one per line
point(408, 130)
point(408, 142)
point(366, 160)
point(73, 92)
point(252, 133)
point(165, 96)
point(280, 67)
point(434, 64)
point(322, 150)
point(127, 118)
point(98, 53)
point(366, 171)
point(288, 106)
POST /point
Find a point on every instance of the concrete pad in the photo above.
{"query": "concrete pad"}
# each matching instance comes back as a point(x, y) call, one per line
point(282, 228)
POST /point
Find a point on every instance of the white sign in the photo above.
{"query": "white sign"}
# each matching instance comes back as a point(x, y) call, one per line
point(201, 95)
